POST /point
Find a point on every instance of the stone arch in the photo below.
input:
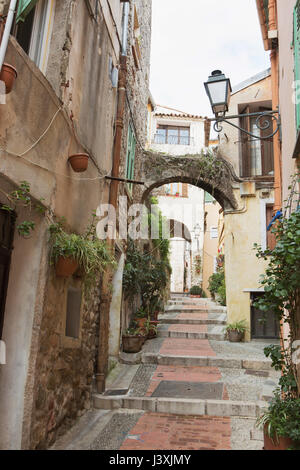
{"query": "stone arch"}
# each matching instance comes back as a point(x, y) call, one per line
point(207, 171)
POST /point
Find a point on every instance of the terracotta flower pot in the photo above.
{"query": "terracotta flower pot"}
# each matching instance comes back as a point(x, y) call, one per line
point(132, 344)
point(280, 443)
point(79, 162)
point(66, 267)
point(235, 336)
point(141, 322)
point(8, 75)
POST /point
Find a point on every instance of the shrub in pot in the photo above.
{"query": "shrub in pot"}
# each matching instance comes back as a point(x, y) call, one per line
point(235, 332)
point(152, 330)
point(70, 252)
point(141, 317)
point(281, 423)
point(197, 292)
point(132, 340)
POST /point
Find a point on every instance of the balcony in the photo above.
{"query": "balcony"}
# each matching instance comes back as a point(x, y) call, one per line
point(172, 140)
point(256, 158)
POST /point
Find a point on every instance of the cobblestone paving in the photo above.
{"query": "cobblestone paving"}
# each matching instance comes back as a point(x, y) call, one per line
point(253, 350)
point(116, 431)
point(142, 379)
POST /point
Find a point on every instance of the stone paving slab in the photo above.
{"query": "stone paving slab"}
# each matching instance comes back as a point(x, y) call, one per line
point(182, 389)
point(183, 347)
point(167, 432)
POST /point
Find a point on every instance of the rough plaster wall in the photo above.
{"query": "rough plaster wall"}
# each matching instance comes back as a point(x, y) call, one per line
point(59, 46)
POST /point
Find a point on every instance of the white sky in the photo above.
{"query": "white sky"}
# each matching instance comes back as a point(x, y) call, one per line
point(191, 38)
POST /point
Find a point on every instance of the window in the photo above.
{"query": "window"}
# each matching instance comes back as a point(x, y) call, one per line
point(214, 232)
point(257, 157)
point(172, 135)
point(131, 145)
point(6, 242)
point(73, 313)
point(34, 29)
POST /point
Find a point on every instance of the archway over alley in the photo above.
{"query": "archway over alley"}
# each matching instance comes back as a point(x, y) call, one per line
point(206, 171)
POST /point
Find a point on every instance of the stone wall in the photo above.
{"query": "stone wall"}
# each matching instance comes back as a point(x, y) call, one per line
point(63, 385)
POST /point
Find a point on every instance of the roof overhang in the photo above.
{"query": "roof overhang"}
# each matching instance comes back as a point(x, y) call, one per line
point(263, 24)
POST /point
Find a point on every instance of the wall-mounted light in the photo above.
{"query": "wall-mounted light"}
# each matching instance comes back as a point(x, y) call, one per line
point(218, 89)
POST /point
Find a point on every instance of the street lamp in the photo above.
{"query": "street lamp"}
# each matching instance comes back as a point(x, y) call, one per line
point(218, 89)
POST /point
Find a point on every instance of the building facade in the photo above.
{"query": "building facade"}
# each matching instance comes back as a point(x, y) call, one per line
point(252, 160)
point(74, 60)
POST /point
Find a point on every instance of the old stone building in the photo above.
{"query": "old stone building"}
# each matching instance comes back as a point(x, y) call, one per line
point(68, 56)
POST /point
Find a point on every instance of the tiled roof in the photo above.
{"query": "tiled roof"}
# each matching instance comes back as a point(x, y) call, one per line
point(189, 116)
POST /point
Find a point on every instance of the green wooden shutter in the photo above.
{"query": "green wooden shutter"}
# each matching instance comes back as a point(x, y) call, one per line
point(131, 145)
point(24, 8)
point(297, 60)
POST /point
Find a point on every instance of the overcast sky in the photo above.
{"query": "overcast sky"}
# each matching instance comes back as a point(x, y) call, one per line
point(191, 38)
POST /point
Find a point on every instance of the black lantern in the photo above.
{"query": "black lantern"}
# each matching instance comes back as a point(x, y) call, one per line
point(218, 89)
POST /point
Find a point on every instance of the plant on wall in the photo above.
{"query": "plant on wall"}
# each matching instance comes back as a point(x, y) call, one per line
point(217, 286)
point(281, 283)
point(197, 264)
point(91, 254)
point(21, 198)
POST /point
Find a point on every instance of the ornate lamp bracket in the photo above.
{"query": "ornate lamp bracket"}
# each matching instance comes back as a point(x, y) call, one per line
point(261, 122)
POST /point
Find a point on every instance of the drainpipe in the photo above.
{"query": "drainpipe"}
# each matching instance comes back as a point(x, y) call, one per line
point(102, 359)
point(6, 34)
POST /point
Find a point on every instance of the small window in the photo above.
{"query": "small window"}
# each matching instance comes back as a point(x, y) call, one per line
point(34, 29)
point(172, 135)
point(214, 232)
point(73, 313)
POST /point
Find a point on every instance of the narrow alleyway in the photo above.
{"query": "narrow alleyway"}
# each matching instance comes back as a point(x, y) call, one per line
point(192, 391)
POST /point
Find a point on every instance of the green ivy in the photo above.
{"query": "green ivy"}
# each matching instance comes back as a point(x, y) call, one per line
point(281, 283)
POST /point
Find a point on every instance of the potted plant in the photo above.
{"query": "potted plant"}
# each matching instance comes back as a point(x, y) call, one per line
point(79, 162)
point(196, 292)
point(141, 317)
point(70, 252)
point(281, 423)
point(236, 331)
point(152, 329)
point(132, 340)
point(8, 75)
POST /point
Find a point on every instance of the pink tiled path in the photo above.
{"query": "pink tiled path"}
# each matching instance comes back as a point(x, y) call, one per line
point(171, 432)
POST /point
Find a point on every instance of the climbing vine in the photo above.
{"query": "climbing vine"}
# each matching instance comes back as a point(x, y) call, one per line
point(281, 283)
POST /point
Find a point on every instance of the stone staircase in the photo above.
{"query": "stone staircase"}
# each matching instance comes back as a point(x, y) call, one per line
point(187, 330)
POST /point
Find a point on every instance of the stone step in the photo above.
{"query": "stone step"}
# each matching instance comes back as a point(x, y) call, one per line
point(206, 361)
point(195, 310)
point(181, 406)
point(181, 321)
point(215, 336)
